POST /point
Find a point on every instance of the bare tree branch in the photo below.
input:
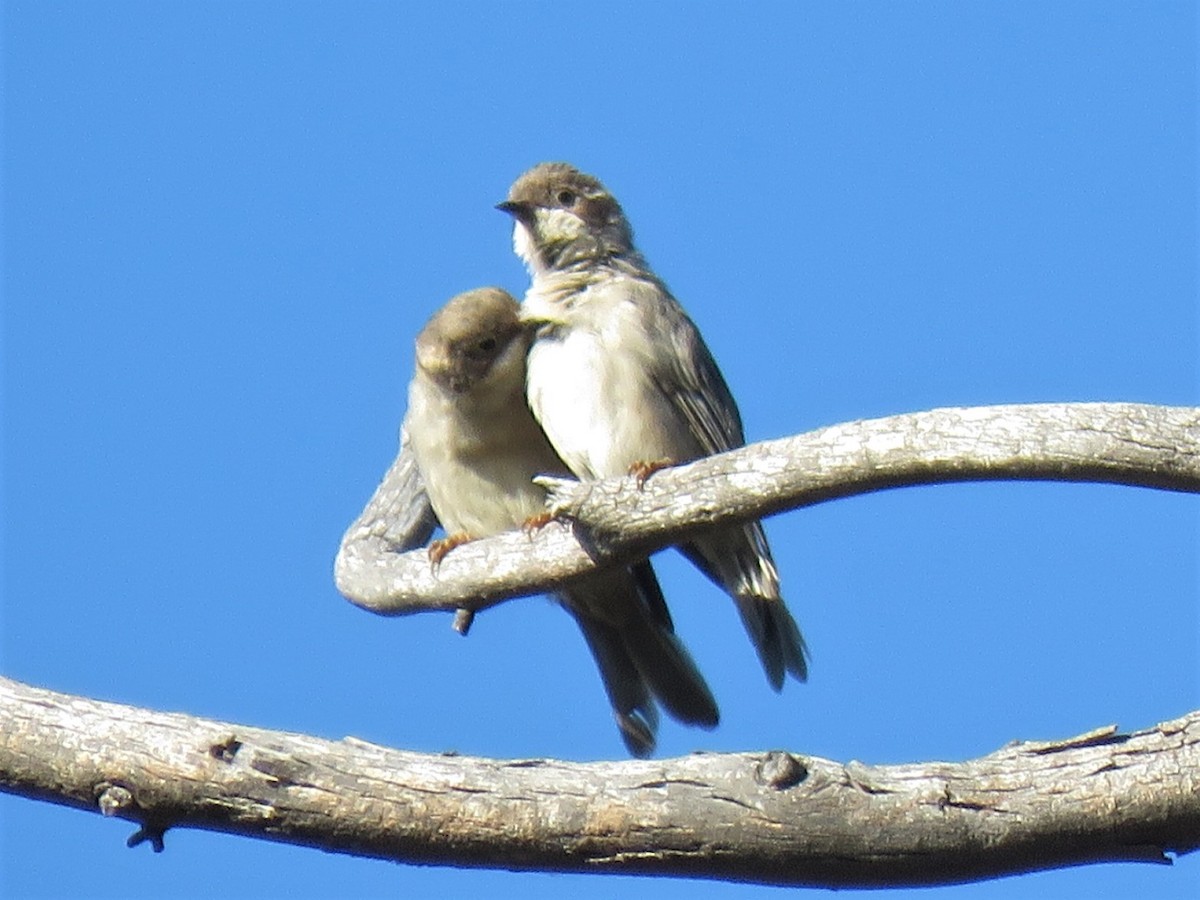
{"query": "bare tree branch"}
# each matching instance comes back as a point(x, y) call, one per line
point(777, 818)
point(612, 520)
point(398, 515)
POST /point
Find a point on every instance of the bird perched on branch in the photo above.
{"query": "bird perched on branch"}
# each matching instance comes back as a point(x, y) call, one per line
point(478, 448)
point(621, 381)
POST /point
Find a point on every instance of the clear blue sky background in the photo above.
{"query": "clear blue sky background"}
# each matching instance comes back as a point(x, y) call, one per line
point(224, 223)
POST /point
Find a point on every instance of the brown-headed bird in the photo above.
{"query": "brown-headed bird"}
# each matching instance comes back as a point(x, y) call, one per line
point(478, 448)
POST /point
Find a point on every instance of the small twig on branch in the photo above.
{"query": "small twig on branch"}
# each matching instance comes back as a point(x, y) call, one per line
point(777, 817)
point(613, 520)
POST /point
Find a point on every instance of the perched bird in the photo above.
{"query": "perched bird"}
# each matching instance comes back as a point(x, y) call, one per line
point(478, 448)
point(622, 382)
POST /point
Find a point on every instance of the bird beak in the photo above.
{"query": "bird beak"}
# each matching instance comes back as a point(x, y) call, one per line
point(518, 209)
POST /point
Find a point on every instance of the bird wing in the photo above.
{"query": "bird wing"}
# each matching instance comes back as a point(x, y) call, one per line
point(688, 376)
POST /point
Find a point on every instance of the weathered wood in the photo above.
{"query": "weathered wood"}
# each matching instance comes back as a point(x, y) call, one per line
point(615, 520)
point(777, 818)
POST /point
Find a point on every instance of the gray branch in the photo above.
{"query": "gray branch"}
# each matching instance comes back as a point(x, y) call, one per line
point(611, 521)
point(774, 818)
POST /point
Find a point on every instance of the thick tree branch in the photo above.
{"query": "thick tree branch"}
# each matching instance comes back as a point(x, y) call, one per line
point(778, 818)
point(612, 520)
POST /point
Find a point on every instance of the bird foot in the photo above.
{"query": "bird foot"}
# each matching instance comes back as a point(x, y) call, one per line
point(536, 523)
point(439, 548)
point(643, 469)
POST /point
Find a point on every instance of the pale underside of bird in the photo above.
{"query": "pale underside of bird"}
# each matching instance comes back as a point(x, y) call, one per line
point(621, 380)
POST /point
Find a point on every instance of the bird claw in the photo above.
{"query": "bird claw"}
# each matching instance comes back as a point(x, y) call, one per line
point(439, 548)
point(643, 469)
point(536, 523)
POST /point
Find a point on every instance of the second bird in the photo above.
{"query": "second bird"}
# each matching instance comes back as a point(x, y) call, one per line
point(621, 380)
point(478, 448)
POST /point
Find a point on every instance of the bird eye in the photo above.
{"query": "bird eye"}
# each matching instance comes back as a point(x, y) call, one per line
point(566, 198)
point(487, 345)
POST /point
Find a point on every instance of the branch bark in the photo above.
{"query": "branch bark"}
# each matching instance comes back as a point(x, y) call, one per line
point(610, 521)
point(773, 818)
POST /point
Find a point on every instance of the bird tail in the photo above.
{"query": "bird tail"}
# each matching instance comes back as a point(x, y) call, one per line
point(633, 707)
point(625, 621)
point(738, 560)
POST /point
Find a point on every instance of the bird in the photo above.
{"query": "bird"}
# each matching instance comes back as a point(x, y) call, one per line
point(477, 448)
point(622, 382)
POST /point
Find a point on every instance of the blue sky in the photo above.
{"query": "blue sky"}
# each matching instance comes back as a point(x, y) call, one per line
point(224, 223)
